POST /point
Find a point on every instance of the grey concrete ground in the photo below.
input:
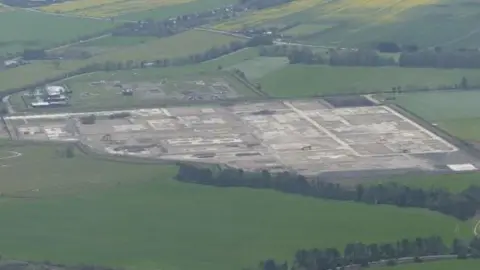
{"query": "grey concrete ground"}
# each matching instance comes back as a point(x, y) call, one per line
point(307, 136)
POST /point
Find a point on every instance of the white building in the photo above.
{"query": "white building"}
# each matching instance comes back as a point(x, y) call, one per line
point(53, 91)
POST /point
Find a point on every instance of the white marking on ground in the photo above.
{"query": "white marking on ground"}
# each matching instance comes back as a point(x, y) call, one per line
point(462, 167)
point(453, 148)
point(372, 99)
point(321, 128)
point(13, 154)
point(476, 229)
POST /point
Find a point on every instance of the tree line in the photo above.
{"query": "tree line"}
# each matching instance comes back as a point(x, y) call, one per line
point(365, 57)
point(440, 59)
point(333, 57)
point(463, 205)
point(362, 255)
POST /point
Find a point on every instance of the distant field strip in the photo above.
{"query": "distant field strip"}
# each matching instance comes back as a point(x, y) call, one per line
point(108, 8)
point(324, 9)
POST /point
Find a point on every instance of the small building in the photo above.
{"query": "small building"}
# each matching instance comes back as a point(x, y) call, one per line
point(53, 91)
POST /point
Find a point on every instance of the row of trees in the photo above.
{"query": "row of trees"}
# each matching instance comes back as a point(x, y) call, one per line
point(364, 254)
point(363, 57)
point(207, 55)
point(441, 59)
point(463, 205)
point(304, 55)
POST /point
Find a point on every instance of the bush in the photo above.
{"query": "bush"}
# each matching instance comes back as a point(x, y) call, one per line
point(391, 262)
point(88, 120)
point(119, 115)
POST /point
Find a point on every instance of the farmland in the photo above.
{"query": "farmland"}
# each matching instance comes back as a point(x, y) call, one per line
point(443, 265)
point(460, 118)
point(358, 23)
point(320, 80)
point(131, 9)
point(179, 45)
point(33, 30)
point(260, 66)
point(183, 44)
point(137, 210)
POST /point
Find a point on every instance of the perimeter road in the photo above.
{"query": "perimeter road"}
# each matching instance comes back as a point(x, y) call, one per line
point(319, 127)
point(431, 134)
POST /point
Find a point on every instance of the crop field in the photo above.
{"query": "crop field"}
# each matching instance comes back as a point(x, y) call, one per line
point(107, 8)
point(305, 80)
point(306, 29)
point(132, 9)
point(183, 44)
point(179, 45)
point(442, 265)
point(355, 9)
point(22, 29)
point(360, 22)
point(260, 66)
point(137, 217)
point(460, 118)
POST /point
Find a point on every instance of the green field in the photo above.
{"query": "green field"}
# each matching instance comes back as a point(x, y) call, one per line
point(260, 66)
point(183, 44)
point(169, 11)
point(306, 29)
point(135, 216)
point(448, 23)
point(22, 29)
point(309, 80)
point(118, 41)
point(442, 265)
point(456, 112)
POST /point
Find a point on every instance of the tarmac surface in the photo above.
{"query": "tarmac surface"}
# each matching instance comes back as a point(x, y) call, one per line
point(310, 137)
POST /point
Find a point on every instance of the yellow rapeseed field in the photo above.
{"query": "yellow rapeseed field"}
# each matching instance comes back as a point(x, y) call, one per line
point(259, 17)
point(372, 10)
point(376, 10)
point(107, 8)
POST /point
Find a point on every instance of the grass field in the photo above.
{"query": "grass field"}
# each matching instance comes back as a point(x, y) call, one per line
point(361, 22)
point(306, 29)
point(304, 80)
point(443, 265)
point(22, 29)
point(260, 66)
point(183, 44)
point(456, 112)
point(179, 45)
point(133, 9)
point(107, 8)
point(149, 221)
point(118, 41)
point(87, 97)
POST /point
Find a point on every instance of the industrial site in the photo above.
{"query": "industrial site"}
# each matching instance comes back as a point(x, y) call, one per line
point(309, 137)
